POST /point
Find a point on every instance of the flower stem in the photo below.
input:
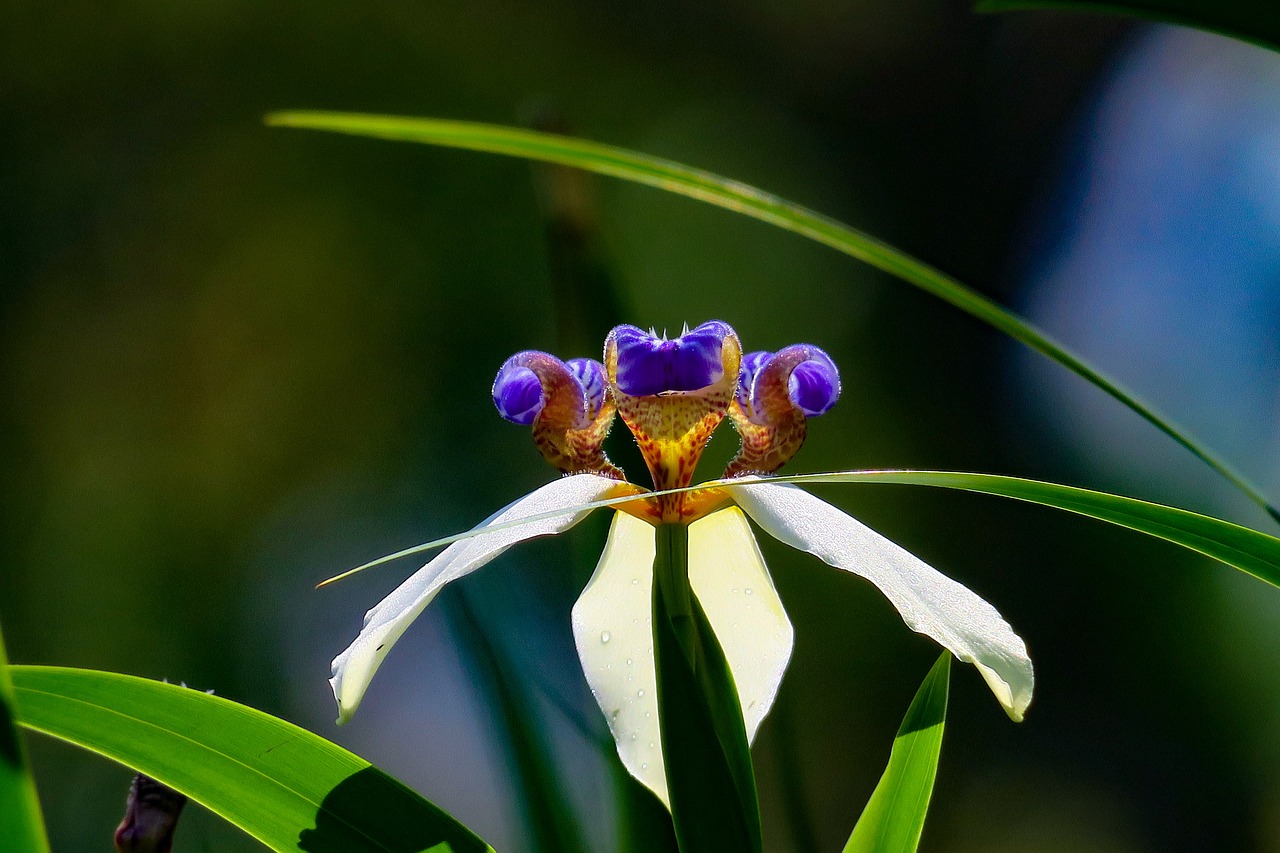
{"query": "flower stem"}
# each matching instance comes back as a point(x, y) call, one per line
point(671, 570)
point(710, 780)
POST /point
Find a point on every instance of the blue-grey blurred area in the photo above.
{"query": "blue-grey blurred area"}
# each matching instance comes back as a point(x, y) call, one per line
point(236, 360)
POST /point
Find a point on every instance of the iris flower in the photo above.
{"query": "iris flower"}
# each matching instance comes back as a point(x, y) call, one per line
point(672, 394)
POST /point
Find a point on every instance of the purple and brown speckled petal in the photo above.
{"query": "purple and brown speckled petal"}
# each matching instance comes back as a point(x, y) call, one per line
point(687, 385)
point(775, 397)
point(567, 406)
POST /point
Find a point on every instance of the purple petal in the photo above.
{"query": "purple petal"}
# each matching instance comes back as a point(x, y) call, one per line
point(751, 364)
point(591, 376)
point(814, 386)
point(650, 365)
point(517, 392)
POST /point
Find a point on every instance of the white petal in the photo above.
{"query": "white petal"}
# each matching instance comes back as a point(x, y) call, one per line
point(612, 628)
point(383, 625)
point(929, 602)
point(733, 586)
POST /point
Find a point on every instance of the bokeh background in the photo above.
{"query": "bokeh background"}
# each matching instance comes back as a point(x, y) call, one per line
point(235, 360)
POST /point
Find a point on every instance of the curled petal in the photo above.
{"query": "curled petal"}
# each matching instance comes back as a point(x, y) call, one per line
point(539, 383)
point(590, 376)
point(728, 575)
point(387, 621)
point(776, 396)
point(517, 394)
point(929, 602)
point(612, 622)
point(649, 365)
point(566, 403)
point(751, 364)
point(814, 385)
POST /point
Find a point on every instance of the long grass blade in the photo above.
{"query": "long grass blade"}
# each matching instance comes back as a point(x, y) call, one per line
point(1248, 550)
point(1258, 23)
point(758, 204)
point(1243, 548)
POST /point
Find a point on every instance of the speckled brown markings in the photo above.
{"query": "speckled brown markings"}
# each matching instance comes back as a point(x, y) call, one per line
point(568, 435)
point(773, 430)
point(673, 428)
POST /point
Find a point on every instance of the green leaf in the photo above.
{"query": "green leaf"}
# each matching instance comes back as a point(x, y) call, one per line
point(894, 816)
point(1256, 553)
point(290, 789)
point(710, 780)
point(1256, 21)
point(749, 201)
point(21, 824)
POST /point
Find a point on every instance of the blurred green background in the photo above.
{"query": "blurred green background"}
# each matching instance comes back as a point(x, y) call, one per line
point(236, 360)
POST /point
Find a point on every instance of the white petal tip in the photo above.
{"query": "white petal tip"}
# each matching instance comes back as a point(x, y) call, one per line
point(346, 710)
point(1014, 705)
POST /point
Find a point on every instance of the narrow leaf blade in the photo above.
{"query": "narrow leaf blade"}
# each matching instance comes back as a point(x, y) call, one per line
point(1248, 20)
point(1248, 550)
point(21, 823)
point(894, 816)
point(290, 789)
point(758, 204)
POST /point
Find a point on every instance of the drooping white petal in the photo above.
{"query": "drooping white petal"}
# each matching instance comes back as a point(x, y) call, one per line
point(929, 602)
point(612, 622)
point(383, 625)
point(733, 586)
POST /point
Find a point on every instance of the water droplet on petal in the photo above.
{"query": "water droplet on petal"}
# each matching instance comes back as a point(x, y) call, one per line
point(644, 766)
point(635, 581)
point(747, 590)
point(628, 661)
point(640, 692)
point(605, 636)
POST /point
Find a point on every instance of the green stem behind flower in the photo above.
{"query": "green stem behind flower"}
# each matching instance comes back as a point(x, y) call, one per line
point(671, 574)
point(710, 779)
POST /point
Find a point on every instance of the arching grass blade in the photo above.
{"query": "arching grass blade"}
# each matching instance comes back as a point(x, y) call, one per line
point(758, 204)
point(1249, 20)
point(1256, 553)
